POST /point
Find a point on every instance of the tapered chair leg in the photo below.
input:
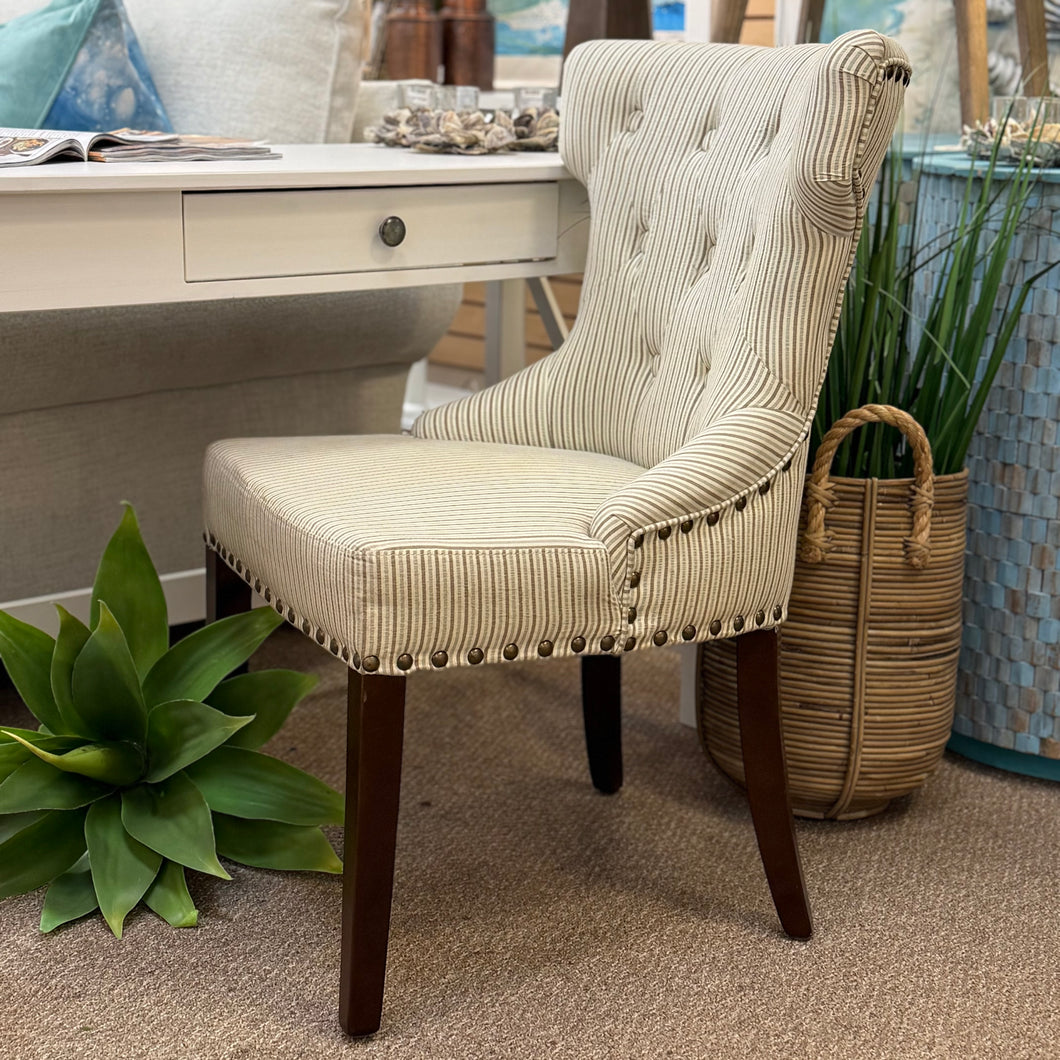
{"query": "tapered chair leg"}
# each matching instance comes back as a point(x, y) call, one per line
point(226, 592)
point(602, 709)
point(758, 694)
point(376, 715)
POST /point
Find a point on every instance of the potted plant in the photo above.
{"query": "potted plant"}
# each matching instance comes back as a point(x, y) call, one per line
point(870, 647)
point(146, 759)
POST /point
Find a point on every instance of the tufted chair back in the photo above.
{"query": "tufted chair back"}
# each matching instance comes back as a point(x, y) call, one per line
point(726, 187)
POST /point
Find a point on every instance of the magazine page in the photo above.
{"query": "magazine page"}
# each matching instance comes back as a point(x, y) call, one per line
point(177, 148)
point(27, 147)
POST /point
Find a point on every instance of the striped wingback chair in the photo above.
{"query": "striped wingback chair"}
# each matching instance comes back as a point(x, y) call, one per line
point(640, 486)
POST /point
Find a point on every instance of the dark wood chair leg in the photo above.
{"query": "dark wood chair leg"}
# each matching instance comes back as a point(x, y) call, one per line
point(376, 713)
point(226, 592)
point(758, 693)
point(602, 709)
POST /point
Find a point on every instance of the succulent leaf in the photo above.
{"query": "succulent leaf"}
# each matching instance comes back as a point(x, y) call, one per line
point(73, 634)
point(181, 732)
point(173, 819)
point(247, 783)
point(36, 785)
point(40, 852)
point(116, 764)
point(196, 665)
point(168, 896)
point(268, 694)
point(13, 823)
point(70, 896)
point(127, 580)
point(122, 867)
point(107, 701)
point(271, 845)
point(27, 655)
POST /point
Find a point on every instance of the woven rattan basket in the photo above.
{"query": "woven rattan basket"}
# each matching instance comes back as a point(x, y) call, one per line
point(869, 649)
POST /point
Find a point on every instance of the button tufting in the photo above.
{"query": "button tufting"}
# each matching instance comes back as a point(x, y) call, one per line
point(607, 643)
point(544, 649)
point(577, 645)
point(688, 632)
point(659, 638)
point(635, 120)
point(511, 651)
point(439, 659)
point(404, 662)
point(371, 663)
point(475, 656)
point(631, 643)
point(715, 627)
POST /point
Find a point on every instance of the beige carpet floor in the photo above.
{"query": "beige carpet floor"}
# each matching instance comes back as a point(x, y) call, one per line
point(534, 918)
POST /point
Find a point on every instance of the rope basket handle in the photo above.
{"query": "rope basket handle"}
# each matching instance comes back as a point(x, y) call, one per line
point(820, 492)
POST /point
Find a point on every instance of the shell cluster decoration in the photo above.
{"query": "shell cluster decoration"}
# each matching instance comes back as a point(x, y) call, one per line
point(1016, 140)
point(473, 132)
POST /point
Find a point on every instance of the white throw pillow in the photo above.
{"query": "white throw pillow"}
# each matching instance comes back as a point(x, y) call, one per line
point(286, 71)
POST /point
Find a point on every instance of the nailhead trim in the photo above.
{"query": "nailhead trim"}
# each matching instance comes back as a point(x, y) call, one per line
point(660, 638)
point(333, 647)
point(257, 585)
point(345, 654)
point(760, 617)
point(688, 632)
point(320, 636)
point(355, 662)
point(631, 615)
point(511, 651)
point(544, 649)
point(741, 503)
point(268, 595)
point(712, 518)
point(664, 532)
point(577, 645)
point(778, 612)
point(638, 541)
point(737, 623)
point(787, 466)
point(631, 643)
point(715, 627)
point(634, 579)
point(290, 614)
point(475, 656)
point(440, 659)
point(371, 663)
point(404, 662)
point(607, 643)
point(306, 627)
point(764, 488)
point(686, 526)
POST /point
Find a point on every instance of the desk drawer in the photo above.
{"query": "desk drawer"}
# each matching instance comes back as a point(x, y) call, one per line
point(231, 235)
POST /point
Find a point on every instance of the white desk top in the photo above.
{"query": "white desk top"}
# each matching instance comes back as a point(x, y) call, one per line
point(302, 166)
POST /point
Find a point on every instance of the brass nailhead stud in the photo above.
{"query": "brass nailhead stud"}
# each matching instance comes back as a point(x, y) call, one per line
point(475, 656)
point(577, 645)
point(239, 566)
point(439, 659)
point(607, 643)
point(787, 466)
point(371, 663)
point(659, 638)
point(638, 541)
point(760, 617)
point(631, 615)
point(355, 662)
point(686, 526)
point(320, 636)
point(510, 651)
point(290, 614)
point(213, 541)
point(737, 623)
point(268, 596)
point(223, 553)
point(306, 627)
point(544, 649)
point(763, 489)
point(333, 647)
point(778, 612)
point(631, 643)
point(715, 627)
point(634, 579)
point(712, 519)
point(345, 654)
point(246, 575)
point(665, 532)
point(688, 632)
point(257, 585)
point(404, 662)
point(741, 503)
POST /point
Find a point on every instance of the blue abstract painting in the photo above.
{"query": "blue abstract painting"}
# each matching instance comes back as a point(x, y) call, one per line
point(108, 86)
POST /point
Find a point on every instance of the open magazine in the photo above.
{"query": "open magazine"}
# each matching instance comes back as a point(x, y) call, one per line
point(29, 147)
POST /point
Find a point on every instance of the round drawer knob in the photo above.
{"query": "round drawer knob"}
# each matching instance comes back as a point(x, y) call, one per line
point(392, 231)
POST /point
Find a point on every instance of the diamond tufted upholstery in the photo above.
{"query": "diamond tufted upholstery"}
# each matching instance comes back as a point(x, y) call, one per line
point(652, 467)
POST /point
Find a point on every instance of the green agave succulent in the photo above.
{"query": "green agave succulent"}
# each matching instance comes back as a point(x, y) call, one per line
point(146, 762)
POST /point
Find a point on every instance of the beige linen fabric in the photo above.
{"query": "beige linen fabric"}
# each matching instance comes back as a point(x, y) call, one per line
point(642, 484)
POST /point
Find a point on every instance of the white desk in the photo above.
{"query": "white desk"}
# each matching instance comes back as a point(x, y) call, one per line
point(99, 234)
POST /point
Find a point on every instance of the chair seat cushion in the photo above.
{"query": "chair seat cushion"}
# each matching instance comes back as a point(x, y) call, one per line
point(402, 553)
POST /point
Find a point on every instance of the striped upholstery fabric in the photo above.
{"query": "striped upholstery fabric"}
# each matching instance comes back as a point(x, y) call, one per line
point(642, 484)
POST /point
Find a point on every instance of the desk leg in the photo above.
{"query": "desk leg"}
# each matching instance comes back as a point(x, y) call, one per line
point(505, 329)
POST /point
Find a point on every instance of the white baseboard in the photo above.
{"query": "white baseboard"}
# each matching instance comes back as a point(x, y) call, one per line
point(185, 600)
